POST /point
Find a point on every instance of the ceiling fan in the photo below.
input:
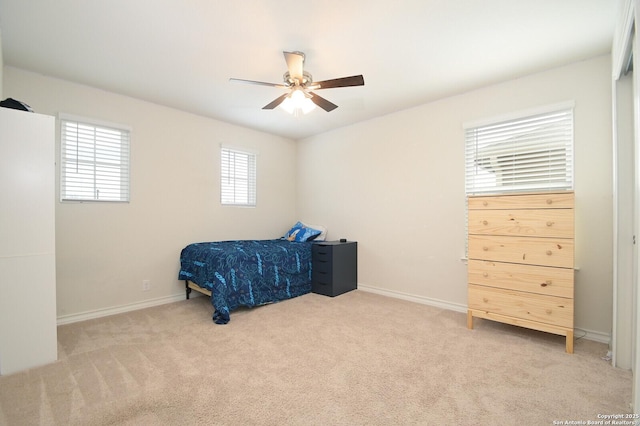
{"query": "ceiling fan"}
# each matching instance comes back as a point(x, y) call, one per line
point(299, 84)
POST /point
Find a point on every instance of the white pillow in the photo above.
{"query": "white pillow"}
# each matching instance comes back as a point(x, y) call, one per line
point(323, 234)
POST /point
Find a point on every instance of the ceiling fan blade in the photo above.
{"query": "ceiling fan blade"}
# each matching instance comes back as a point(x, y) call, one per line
point(354, 80)
point(295, 61)
point(276, 102)
point(260, 83)
point(322, 102)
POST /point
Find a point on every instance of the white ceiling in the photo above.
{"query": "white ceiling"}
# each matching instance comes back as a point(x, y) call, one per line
point(181, 53)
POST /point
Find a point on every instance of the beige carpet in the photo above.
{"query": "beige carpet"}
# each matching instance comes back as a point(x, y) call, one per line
point(357, 359)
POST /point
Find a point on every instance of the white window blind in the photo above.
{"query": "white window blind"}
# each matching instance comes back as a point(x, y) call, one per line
point(530, 153)
point(237, 177)
point(94, 162)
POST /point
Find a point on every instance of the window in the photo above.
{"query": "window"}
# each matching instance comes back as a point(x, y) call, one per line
point(94, 162)
point(531, 152)
point(237, 177)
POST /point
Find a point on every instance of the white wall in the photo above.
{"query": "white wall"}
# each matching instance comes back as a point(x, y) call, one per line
point(396, 185)
point(105, 250)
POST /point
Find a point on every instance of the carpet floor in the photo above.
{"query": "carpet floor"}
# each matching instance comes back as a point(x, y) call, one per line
point(356, 359)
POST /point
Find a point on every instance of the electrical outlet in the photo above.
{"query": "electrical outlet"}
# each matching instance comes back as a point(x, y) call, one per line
point(146, 285)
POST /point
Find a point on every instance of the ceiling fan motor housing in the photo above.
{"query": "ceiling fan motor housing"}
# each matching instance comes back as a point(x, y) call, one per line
point(307, 79)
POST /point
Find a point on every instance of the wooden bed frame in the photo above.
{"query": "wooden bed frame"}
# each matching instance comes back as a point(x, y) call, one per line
point(193, 286)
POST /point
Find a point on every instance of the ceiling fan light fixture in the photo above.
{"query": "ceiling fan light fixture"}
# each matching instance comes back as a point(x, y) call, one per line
point(297, 103)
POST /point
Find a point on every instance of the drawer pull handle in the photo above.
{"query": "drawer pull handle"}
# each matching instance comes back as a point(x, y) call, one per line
point(485, 274)
point(484, 203)
point(548, 311)
point(549, 252)
point(485, 223)
point(485, 300)
point(546, 283)
point(549, 223)
point(549, 201)
point(485, 248)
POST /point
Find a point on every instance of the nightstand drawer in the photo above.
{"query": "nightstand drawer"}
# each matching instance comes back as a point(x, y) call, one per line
point(322, 253)
point(323, 277)
point(321, 266)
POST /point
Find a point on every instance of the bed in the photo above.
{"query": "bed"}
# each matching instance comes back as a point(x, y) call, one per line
point(250, 272)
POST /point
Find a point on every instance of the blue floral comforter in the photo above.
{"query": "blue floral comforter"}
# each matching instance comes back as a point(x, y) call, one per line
point(247, 272)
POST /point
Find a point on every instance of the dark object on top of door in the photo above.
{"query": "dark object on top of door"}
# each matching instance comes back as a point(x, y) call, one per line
point(14, 104)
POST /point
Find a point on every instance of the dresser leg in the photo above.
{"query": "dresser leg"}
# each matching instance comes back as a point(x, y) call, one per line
point(469, 320)
point(570, 342)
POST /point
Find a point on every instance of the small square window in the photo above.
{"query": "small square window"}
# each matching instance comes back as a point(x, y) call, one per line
point(94, 162)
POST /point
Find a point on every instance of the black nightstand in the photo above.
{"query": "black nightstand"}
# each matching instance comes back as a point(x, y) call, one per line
point(334, 267)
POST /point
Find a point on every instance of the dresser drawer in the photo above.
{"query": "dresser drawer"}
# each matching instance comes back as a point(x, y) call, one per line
point(524, 222)
point(552, 310)
point(551, 200)
point(530, 251)
point(533, 279)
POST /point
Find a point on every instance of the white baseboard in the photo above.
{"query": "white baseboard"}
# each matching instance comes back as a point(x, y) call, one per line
point(414, 298)
point(595, 336)
point(98, 313)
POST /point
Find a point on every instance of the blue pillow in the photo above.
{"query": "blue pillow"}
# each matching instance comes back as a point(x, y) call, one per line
point(301, 233)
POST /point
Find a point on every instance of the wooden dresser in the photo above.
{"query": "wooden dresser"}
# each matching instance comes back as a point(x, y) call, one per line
point(521, 261)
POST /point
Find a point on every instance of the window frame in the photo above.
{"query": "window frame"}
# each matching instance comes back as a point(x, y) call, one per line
point(232, 194)
point(532, 146)
point(119, 164)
